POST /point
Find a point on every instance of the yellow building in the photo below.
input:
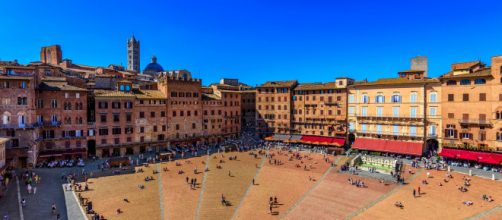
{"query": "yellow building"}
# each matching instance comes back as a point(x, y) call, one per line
point(396, 115)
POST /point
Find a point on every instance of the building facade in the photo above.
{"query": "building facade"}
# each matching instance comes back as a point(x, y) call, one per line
point(273, 107)
point(472, 103)
point(396, 115)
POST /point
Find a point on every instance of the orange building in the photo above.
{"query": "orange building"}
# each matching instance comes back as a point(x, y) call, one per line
point(472, 110)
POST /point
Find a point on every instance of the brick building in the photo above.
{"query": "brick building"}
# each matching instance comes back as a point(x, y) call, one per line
point(273, 107)
point(17, 98)
point(320, 110)
point(128, 121)
point(61, 111)
point(184, 106)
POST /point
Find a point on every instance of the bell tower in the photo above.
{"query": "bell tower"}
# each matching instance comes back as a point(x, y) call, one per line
point(133, 54)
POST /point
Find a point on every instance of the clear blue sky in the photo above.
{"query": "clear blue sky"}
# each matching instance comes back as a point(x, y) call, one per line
point(259, 40)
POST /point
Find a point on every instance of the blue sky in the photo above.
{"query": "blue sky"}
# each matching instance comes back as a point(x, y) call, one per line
point(256, 41)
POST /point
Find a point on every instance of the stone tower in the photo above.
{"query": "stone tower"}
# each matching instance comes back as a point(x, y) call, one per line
point(133, 54)
point(51, 54)
point(420, 63)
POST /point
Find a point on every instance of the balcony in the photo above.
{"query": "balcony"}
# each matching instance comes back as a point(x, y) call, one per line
point(19, 126)
point(417, 118)
point(480, 122)
point(390, 135)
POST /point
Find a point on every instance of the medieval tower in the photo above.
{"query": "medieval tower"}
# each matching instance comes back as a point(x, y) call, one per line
point(133, 54)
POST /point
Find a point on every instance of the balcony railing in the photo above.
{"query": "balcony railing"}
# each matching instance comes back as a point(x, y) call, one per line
point(19, 126)
point(390, 135)
point(391, 117)
point(483, 122)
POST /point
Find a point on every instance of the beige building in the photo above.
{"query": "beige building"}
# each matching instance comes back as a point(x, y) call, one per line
point(396, 115)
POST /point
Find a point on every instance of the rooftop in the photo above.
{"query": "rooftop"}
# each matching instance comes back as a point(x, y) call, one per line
point(288, 83)
point(396, 81)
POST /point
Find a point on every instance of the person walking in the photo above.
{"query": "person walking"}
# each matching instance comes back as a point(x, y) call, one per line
point(414, 193)
point(53, 208)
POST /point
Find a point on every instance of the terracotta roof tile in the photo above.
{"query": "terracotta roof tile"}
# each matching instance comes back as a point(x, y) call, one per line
point(289, 83)
point(464, 65)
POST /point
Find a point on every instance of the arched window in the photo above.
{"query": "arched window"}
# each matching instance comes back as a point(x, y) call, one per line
point(6, 118)
point(396, 98)
point(451, 83)
point(127, 88)
point(365, 99)
point(380, 99)
point(121, 87)
point(465, 82)
point(479, 81)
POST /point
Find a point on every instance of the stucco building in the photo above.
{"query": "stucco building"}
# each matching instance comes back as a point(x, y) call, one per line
point(472, 110)
point(399, 115)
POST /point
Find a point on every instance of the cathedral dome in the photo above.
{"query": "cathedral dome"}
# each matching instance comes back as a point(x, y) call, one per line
point(153, 68)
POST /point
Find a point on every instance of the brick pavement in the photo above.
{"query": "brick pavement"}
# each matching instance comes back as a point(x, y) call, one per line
point(287, 182)
point(438, 202)
point(219, 182)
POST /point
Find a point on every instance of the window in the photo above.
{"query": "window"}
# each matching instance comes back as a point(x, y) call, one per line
point(77, 95)
point(379, 111)
point(364, 111)
point(433, 97)
point(141, 114)
point(162, 114)
point(465, 97)
point(116, 131)
point(432, 130)
point(380, 99)
point(116, 117)
point(498, 115)
point(396, 98)
point(22, 101)
point(451, 97)
point(54, 103)
point(432, 111)
point(351, 126)
point(128, 117)
point(365, 99)
point(413, 97)
point(451, 83)
point(413, 112)
point(103, 131)
point(379, 129)
point(115, 105)
point(466, 135)
point(450, 131)
point(482, 97)
point(351, 110)
point(395, 129)
point(465, 82)
point(479, 81)
point(363, 127)
point(413, 131)
point(152, 114)
point(102, 118)
point(351, 98)
point(395, 111)
point(141, 129)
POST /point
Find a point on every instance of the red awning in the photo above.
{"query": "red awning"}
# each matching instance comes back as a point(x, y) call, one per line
point(389, 146)
point(482, 157)
point(323, 140)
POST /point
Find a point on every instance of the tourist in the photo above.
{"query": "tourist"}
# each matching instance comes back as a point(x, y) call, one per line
point(53, 208)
